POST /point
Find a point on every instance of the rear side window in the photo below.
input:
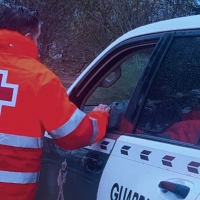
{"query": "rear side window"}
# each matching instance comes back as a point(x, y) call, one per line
point(172, 106)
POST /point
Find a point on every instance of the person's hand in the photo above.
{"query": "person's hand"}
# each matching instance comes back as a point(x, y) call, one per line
point(103, 108)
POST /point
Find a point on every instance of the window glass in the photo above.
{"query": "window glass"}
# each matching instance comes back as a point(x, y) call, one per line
point(173, 103)
point(131, 70)
point(118, 95)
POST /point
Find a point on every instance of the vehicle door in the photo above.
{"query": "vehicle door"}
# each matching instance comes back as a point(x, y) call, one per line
point(75, 175)
point(161, 160)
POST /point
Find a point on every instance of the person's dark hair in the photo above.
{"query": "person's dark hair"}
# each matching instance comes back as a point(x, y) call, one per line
point(21, 19)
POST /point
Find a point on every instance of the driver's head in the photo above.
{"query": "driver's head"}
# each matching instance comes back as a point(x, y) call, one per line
point(21, 19)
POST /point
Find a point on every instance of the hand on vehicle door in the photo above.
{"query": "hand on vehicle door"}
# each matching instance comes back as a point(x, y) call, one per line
point(102, 107)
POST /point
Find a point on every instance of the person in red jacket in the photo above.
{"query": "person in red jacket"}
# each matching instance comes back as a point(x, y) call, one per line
point(32, 101)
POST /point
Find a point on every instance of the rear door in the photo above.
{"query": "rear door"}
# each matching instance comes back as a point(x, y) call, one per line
point(161, 159)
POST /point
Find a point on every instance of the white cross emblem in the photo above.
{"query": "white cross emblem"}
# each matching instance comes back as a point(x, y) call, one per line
point(8, 92)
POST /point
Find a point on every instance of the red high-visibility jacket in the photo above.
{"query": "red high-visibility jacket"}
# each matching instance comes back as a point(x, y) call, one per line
point(32, 101)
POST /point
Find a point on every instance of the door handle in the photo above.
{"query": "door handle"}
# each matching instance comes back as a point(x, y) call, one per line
point(92, 161)
point(181, 191)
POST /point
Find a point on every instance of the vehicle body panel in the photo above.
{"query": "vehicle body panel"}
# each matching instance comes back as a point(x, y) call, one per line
point(147, 163)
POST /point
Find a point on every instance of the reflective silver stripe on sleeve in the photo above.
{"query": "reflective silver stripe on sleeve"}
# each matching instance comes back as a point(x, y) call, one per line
point(20, 141)
point(19, 177)
point(95, 130)
point(69, 126)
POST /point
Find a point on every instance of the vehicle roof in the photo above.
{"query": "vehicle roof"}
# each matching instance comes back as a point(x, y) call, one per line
point(182, 23)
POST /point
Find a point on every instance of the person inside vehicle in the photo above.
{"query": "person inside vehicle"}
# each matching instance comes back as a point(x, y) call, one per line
point(32, 101)
point(187, 130)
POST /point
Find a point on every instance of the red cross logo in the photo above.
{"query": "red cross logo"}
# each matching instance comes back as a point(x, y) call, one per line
point(8, 92)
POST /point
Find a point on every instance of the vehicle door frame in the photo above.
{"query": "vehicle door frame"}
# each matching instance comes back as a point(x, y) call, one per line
point(101, 68)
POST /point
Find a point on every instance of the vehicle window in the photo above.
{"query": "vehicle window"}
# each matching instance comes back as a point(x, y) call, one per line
point(131, 70)
point(172, 106)
point(118, 94)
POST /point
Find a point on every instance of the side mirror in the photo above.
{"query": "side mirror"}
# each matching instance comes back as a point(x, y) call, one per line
point(111, 78)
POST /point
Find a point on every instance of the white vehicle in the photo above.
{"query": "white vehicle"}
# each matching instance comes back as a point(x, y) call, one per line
point(151, 150)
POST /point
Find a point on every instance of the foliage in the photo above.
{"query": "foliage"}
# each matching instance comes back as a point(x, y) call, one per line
point(76, 31)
